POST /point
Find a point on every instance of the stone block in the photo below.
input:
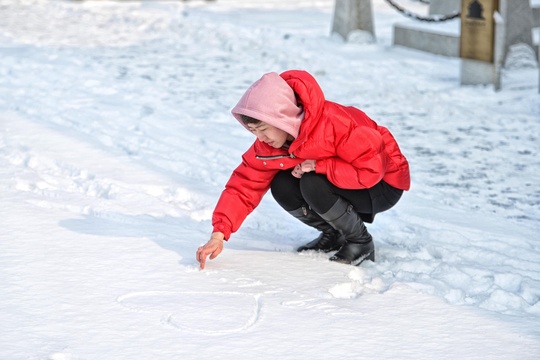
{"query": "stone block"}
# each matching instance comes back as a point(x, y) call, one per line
point(436, 38)
point(444, 7)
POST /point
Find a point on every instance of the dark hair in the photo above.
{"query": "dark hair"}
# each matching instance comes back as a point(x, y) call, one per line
point(249, 120)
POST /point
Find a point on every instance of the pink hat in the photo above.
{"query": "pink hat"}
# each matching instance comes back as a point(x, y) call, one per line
point(271, 100)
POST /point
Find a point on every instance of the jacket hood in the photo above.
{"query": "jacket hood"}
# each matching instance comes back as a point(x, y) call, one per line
point(271, 100)
point(309, 95)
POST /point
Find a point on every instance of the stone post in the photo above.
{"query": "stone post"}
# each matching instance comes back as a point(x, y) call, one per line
point(351, 15)
point(518, 19)
point(499, 49)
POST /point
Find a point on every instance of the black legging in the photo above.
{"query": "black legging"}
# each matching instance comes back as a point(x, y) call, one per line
point(320, 194)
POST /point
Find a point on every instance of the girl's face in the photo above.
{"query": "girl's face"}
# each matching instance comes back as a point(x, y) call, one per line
point(269, 134)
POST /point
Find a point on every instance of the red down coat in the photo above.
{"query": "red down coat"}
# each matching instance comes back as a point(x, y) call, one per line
point(349, 148)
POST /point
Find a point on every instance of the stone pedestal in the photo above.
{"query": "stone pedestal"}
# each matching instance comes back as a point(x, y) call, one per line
point(514, 24)
point(474, 72)
point(353, 15)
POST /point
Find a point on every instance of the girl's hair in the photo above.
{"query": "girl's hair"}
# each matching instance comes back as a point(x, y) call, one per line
point(249, 120)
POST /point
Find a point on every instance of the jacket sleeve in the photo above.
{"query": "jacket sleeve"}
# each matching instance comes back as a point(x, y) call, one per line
point(360, 162)
point(243, 193)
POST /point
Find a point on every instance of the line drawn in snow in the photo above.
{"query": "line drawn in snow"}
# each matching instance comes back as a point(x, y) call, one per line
point(182, 310)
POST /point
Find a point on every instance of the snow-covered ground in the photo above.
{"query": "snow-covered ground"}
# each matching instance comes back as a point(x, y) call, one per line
point(116, 141)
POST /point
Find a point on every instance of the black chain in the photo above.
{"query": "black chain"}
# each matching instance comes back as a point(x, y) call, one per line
point(435, 18)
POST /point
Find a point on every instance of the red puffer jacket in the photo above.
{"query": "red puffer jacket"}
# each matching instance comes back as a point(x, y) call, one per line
point(349, 148)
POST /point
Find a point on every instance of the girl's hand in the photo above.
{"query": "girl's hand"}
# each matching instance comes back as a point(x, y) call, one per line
point(297, 171)
point(308, 165)
point(213, 247)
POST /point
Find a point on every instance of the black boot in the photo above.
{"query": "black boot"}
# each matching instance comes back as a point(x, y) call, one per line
point(329, 240)
point(359, 245)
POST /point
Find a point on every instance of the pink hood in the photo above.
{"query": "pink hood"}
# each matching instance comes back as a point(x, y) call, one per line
point(272, 100)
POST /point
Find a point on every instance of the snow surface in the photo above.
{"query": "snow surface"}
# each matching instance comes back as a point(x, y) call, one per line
point(116, 141)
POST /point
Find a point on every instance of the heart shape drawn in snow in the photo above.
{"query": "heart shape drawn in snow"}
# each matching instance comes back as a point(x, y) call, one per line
point(209, 313)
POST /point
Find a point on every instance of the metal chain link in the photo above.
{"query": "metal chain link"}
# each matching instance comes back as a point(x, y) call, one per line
point(435, 18)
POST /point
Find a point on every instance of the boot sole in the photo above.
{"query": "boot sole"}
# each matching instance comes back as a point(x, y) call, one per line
point(318, 250)
point(369, 256)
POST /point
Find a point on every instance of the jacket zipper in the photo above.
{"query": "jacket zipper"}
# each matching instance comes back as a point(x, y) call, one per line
point(273, 157)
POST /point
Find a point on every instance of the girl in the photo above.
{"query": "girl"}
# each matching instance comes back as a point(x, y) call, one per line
point(328, 165)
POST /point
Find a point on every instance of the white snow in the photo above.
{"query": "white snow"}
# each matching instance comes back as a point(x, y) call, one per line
point(116, 141)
